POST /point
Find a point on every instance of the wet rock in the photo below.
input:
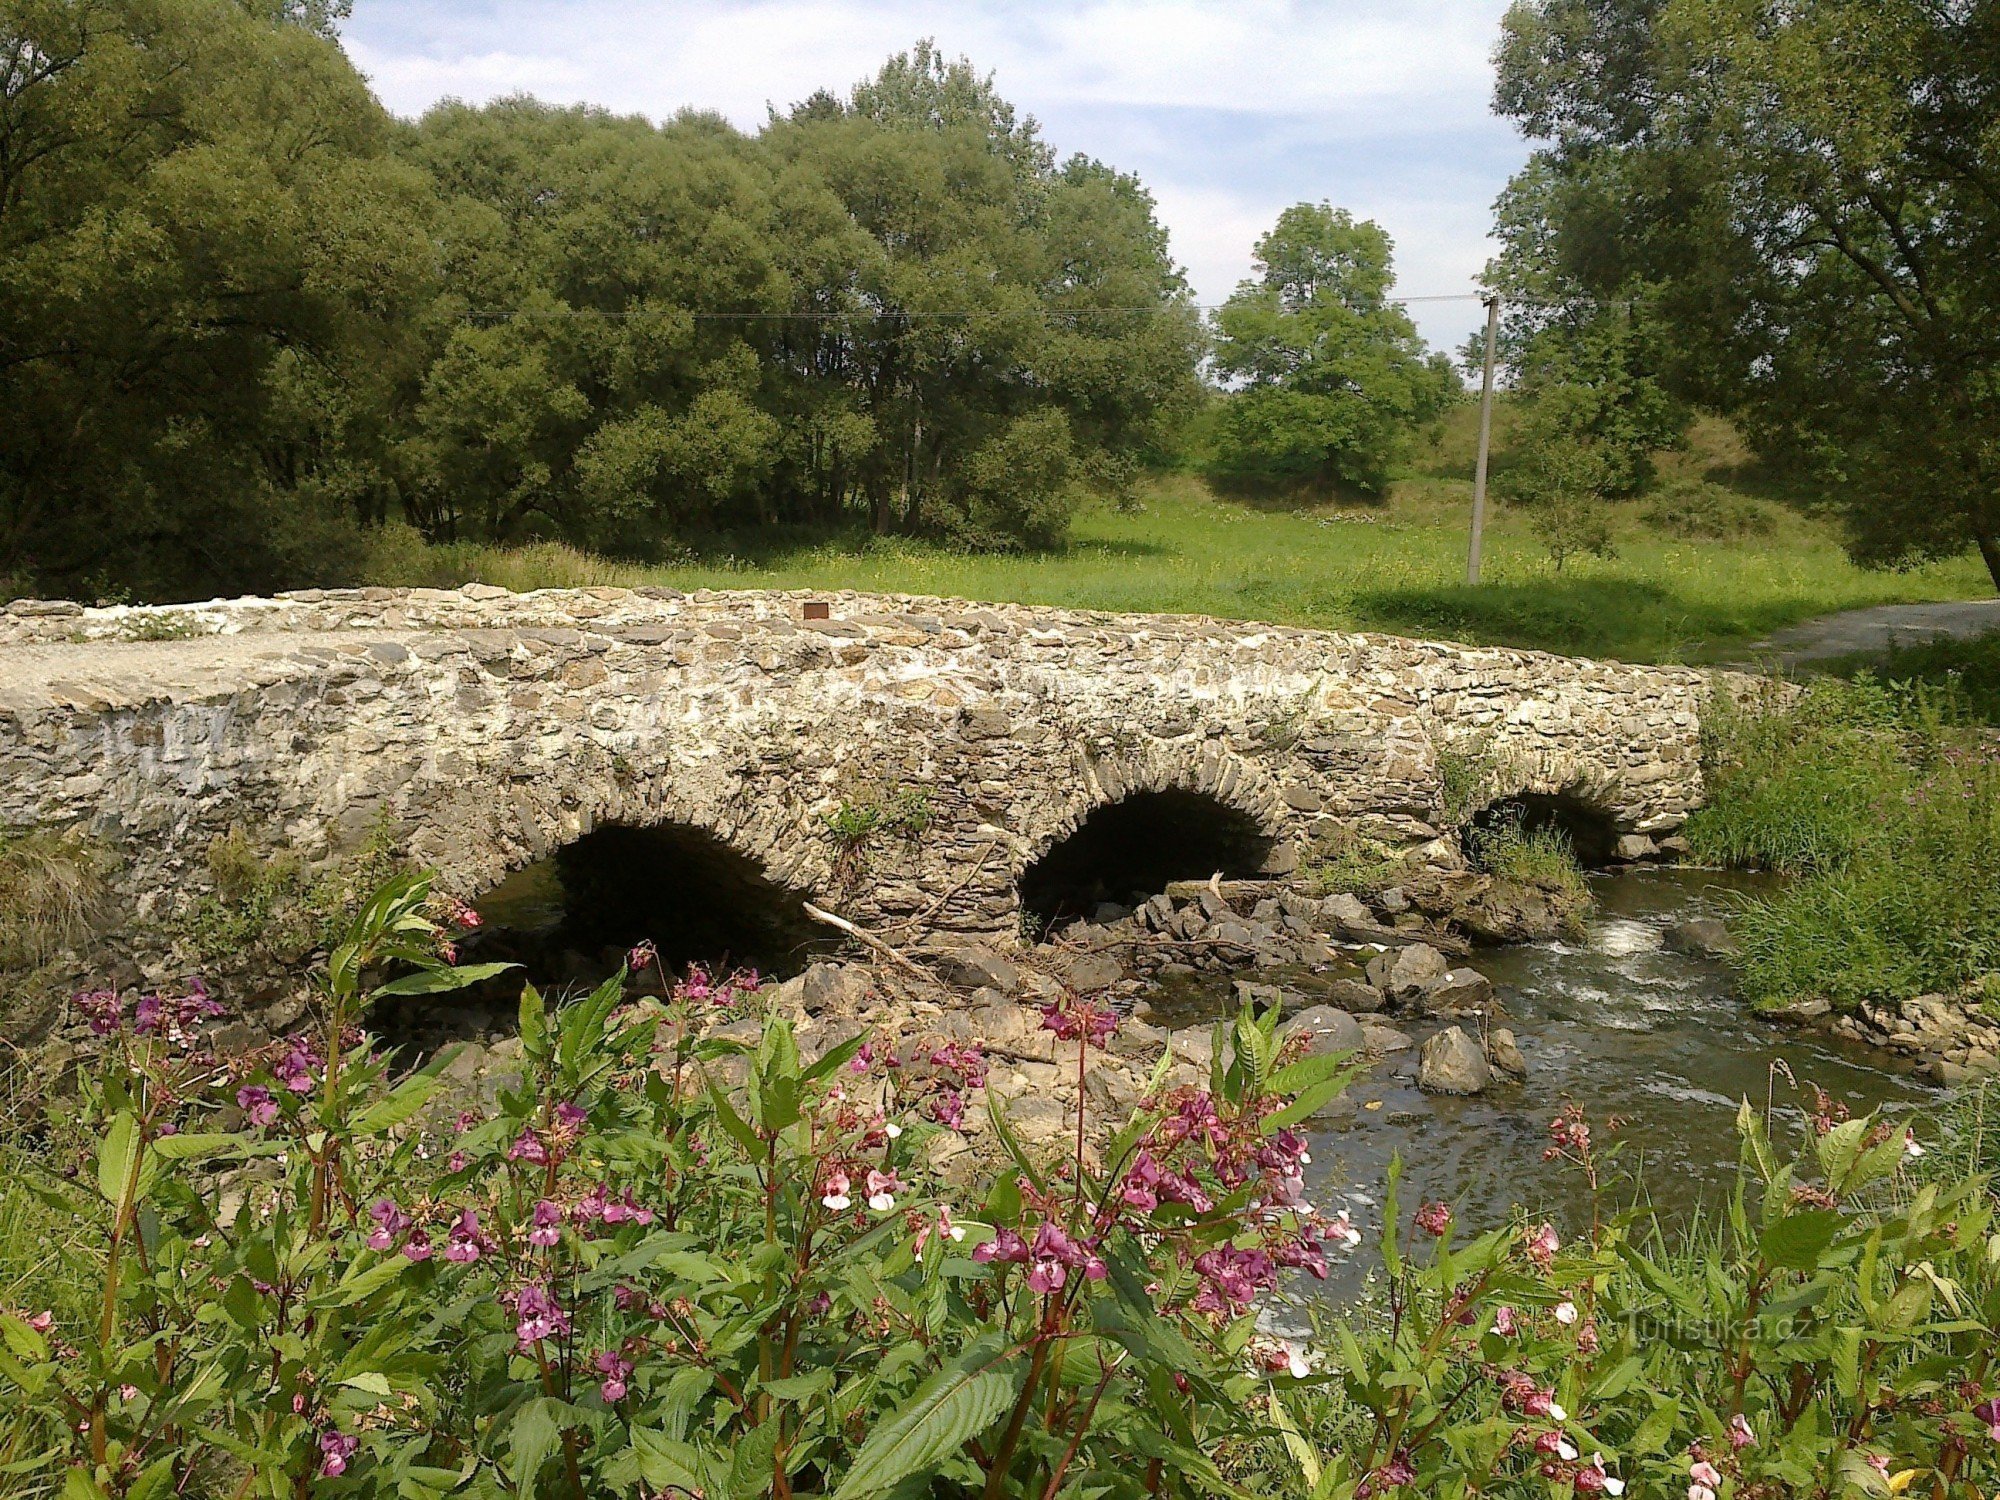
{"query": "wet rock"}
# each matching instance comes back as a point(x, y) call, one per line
point(1330, 1030)
point(975, 967)
point(1632, 847)
point(1505, 1054)
point(1380, 1041)
point(1451, 1063)
point(1705, 937)
point(1458, 991)
point(1403, 973)
point(1508, 912)
point(1356, 996)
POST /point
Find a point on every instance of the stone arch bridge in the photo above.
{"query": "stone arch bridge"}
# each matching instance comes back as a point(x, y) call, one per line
point(913, 763)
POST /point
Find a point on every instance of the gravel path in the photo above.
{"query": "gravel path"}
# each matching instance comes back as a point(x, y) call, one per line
point(1876, 629)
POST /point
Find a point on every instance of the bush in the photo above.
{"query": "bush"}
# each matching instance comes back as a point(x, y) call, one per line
point(1696, 509)
point(661, 1264)
point(1887, 811)
point(1831, 1333)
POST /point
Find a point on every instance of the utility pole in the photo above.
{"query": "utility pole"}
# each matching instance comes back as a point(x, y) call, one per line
point(1485, 439)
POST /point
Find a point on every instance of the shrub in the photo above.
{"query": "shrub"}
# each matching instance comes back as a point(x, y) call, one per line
point(1691, 507)
point(660, 1264)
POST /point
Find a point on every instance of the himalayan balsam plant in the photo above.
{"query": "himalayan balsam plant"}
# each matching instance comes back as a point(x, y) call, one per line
point(657, 1263)
point(1832, 1335)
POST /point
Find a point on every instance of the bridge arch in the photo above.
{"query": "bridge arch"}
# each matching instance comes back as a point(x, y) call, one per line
point(1573, 810)
point(1135, 825)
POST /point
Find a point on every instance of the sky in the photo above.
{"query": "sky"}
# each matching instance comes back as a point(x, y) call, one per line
point(1228, 110)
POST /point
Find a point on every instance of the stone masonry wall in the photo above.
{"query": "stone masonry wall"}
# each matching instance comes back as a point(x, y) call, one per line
point(493, 728)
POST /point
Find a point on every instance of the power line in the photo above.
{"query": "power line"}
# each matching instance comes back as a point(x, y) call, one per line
point(885, 316)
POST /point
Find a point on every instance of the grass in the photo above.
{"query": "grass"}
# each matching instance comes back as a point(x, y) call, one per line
point(50, 888)
point(1394, 565)
point(1884, 801)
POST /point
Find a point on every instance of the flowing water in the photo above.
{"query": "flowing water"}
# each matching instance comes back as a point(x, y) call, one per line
point(1616, 1023)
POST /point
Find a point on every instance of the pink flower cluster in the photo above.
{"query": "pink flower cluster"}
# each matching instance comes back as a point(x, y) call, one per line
point(537, 1317)
point(1050, 1257)
point(964, 1068)
point(176, 1018)
point(551, 1142)
point(335, 1449)
point(1074, 1017)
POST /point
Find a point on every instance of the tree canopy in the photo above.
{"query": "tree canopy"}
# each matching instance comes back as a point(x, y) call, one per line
point(1802, 198)
point(244, 313)
point(1332, 377)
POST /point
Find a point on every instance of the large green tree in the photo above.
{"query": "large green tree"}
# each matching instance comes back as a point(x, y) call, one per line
point(1332, 378)
point(207, 254)
point(1805, 194)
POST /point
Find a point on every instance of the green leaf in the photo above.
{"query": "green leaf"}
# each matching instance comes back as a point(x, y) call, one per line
point(532, 1436)
point(666, 1464)
point(1797, 1241)
point(534, 1022)
point(949, 1410)
point(1653, 1433)
point(409, 1096)
point(442, 980)
point(210, 1143)
point(357, 1286)
point(116, 1158)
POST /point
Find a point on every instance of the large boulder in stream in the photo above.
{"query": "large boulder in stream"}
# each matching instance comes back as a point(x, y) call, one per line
point(1405, 973)
point(1452, 1063)
point(1460, 990)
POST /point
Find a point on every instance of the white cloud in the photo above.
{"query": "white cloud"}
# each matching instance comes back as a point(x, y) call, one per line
point(1227, 109)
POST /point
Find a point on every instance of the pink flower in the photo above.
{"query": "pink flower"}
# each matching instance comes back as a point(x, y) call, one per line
point(257, 1103)
point(418, 1246)
point(615, 1369)
point(1006, 1246)
point(1076, 1017)
point(546, 1228)
point(294, 1071)
point(1703, 1479)
point(1740, 1435)
point(641, 956)
point(834, 1192)
point(335, 1449)
point(1434, 1218)
point(1503, 1321)
point(1987, 1412)
point(1554, 1442)
point(528, 1147)
point(882, 1186)
point(466, 1242)
point(42, 1321)
point(1586, 1338)
point(1542, 1246)
point(391, 1223)
point(538, 1317)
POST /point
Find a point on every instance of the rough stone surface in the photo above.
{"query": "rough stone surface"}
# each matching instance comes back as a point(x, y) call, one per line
point(1451, 1063)
point(1406, 973)
point(1459, 990)
point(1505, 1053)
point(1331, 1030)
point(489, 729)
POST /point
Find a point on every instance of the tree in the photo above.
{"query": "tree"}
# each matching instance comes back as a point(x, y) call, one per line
point(1333, 378)
point(1806, 196)
point(207, 254)
point(1563, 481)
point(1588, 369)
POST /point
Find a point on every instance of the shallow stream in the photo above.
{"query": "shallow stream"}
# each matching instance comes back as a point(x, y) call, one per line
point(1616, 1023)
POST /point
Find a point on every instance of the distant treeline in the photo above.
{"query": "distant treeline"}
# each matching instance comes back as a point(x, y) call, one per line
point(245, 314)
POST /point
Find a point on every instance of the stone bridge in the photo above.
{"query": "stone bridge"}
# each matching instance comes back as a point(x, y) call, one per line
point(923, 766)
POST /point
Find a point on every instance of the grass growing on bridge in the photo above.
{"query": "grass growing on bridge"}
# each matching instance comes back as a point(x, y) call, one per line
point(1395, 567)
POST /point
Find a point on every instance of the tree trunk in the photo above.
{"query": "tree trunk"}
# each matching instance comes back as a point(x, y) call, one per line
point(1989, 548)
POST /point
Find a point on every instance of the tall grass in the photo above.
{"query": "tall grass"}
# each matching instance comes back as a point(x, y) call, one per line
point(1885, 804)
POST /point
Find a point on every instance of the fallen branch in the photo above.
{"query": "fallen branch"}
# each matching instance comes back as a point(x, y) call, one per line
point(874, 944)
